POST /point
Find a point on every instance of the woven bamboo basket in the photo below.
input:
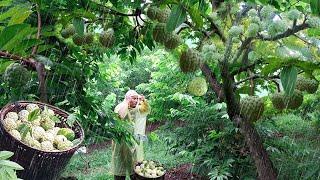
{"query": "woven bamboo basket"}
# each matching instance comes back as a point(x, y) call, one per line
point(37, 164)
point(138, 177)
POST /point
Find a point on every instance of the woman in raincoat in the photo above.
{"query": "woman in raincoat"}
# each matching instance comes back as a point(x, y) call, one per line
point(123, 156)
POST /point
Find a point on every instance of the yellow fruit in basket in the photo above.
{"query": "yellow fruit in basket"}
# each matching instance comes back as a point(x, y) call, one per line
point(38, 132)
point(54, 131)
point(23, 115)
point(59, 139)
point(36, 144)
point(48, 137)
point(31, 107)
point(12, 115)
point(65, 145)
point(15, 134)
point(9, 124)
point(47, 146)
point(47, 123)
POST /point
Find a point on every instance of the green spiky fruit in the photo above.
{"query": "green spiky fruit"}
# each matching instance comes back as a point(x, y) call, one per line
point(160, 15)
point(278, 101)
point(251, 108)
point(88, 38)
point(160, 34)
point(107, 38)
point(189, 61)
point(295, 100)
point(68, 133)
point(68, 32)
point(16, 75)
point(173, 41)
point(78, 39)
point(198, 86)
point(306, 84)
point(152, 12)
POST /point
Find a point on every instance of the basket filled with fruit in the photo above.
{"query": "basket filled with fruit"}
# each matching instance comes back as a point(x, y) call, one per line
point(149, 170)
point(42, 137)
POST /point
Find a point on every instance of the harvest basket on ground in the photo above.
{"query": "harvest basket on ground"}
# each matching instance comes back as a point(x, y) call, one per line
point(43, 161)
point(149, 170)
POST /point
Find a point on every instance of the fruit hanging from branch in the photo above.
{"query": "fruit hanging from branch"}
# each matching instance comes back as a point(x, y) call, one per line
point(189, 61)
point(251, 108)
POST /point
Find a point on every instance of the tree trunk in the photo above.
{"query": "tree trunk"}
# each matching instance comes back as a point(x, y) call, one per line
point(42, 82)
point(265, 168)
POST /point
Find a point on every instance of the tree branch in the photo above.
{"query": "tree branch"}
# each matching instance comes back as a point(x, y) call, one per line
point(243, 46)
point(257, 76)
point(287, 33)
point(215, 85)
point(245, 68)
point(29, 62)
point(34, 49)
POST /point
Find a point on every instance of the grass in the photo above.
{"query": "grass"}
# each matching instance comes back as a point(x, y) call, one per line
point(296, 152)
point(292, 142)
point(99, 160)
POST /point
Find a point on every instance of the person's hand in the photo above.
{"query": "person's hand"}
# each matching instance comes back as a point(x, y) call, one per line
point(142, 98)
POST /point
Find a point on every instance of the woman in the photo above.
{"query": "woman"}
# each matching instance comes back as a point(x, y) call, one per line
point(123, 156)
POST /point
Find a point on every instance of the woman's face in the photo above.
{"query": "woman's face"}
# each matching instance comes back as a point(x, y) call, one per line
point(133, 101)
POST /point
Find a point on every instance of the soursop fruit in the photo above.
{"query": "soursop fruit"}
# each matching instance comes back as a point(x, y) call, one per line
point(12, 115)
point(173, 41)
point(46, 123)
point(306, 84)
point(160, 34)
point(59, 139)
point(47, 146)
point(251, 108)
point(88, 38)
point(16, 134)
point(198, 86)
point(294, 101)
point(23, 115)
point(107, 38)
point(9, 124)
point(189, 61)
point(65, 145)
point(48, 137)
point(160, 15)
point(32, 107)
point(16, 75)
point(38, 132)
point(78, 39)
point(278, 101)
point(68, 31)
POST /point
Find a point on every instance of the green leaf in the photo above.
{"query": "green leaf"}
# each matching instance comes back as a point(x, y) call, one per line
point(71, 119)
point(196, 16)
point(315, 7)
point(5, 3)
point(55, 119)
point(34, 115)
point(288, 78)
point(10, 164)
point(11, 173)
point(5, 154)
point(26, 44)
point(22, 14)
point(3, 65)
point(24, 129)
point(78, 25)
point(11, 36)
point(177, 16)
